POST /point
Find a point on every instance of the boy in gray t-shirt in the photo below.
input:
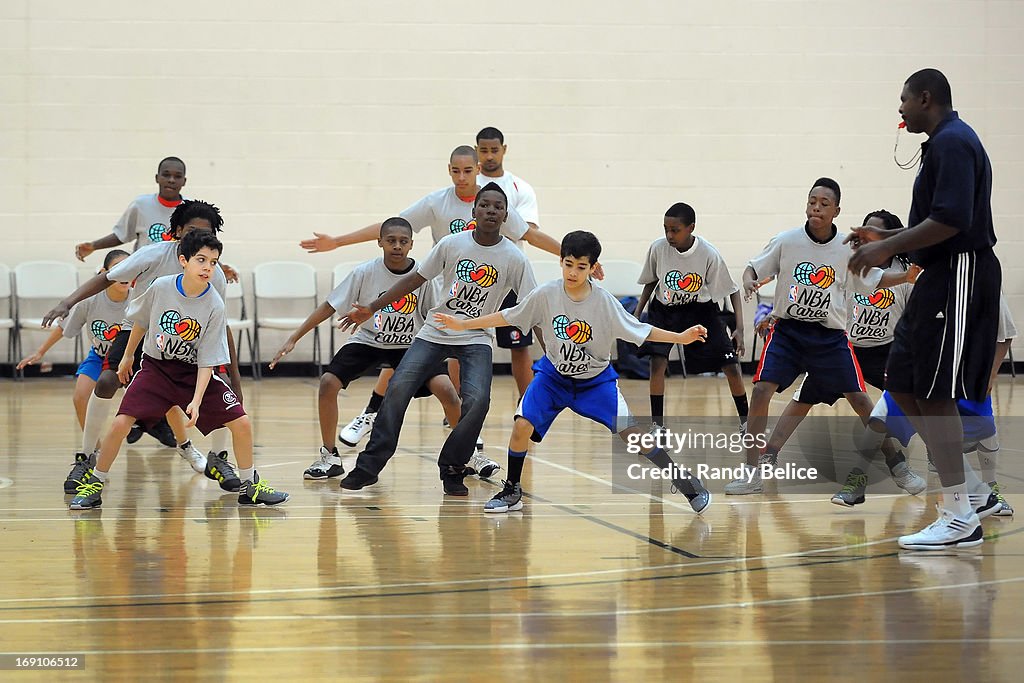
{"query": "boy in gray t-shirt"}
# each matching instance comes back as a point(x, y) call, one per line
point(581, 323)
point(180, 322)
point(479, 268)
point(382, 339)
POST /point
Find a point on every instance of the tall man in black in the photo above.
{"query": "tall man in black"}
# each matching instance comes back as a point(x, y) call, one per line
point(945, 342)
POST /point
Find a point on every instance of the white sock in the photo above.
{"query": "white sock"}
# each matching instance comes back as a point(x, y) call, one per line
point(971, 481)
point(220, 439)
point(247, 474)
point(988, 457)
point(99, 474)
point(954, 499)
point(96, 413)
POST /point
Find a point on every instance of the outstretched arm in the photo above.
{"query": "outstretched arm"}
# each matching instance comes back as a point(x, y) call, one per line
point(92, 287)
point(450, 322)
point(47, 344)
point(322, 313)
point(360, 314)
point(85, 248)
point(322, 242)
point(695, 333)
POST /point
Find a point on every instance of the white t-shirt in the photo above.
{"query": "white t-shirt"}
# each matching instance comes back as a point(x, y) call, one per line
point(521, 196)
point(874, 316)
point(146, 221)
point(448, 214)
point(179, 327)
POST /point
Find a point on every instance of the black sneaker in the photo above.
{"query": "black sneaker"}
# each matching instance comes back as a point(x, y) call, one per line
point(135, 433)
point(80, 472)
point(451, 479)
point(220, 470)
point(161, 431)
point(358, 479)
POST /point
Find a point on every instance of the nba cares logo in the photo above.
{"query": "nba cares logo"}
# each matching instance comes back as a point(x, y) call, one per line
point(459, 225)
point(172, 323)
point(484, 275)
point(158, 232)
point(880, 298)
point(810, 275)
point(101, 330)
point(690, 282)
point(576, 331)
point(406, 305)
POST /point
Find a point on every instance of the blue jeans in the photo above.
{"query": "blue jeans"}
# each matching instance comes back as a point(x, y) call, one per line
point(417, 366)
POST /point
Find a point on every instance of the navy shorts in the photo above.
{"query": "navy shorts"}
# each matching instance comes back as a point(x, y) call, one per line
point(872, 361)
point(512, 337)
point(945, 341)
point(161, 384)
point(794, 347)
point(709, 356)
point(550, 393)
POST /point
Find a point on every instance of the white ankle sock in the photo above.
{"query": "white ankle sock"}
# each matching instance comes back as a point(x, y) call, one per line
point(972, 482)
point(99, 475)
point(954, 499)
point(247, 474)
point(96, 413)
point(988, 457)
point(220, 440)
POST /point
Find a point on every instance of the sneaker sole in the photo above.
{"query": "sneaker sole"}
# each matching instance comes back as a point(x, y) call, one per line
point(488, 471)
point(360, 487)
point(85, 507)
point(968, 542)
point(1003, 513)
point(251, 504)
point(350, 444)
point(835, 500)
point(988, 512)
point(508, 508)
point(307, 475)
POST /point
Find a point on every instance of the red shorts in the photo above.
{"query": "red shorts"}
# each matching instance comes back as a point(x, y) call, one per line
point(161, 384)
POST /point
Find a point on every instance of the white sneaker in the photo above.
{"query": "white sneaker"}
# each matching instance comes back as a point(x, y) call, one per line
point(192, 456)
point(480, 443)
point(948, 531)
point(327, 465)
point(907, 479)
point(355, 430)
point(745, 486)
point(483, 466)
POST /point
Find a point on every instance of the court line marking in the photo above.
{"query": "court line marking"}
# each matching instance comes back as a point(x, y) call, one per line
point(773, 602)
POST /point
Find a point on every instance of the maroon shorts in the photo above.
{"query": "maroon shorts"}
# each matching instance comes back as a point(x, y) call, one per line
point(161, 384)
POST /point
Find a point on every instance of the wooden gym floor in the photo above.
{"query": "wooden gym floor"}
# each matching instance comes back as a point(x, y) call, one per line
point(170, 580)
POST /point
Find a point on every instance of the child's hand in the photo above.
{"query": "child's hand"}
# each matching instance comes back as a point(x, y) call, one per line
point(287, 348)
point(764, 325)
point(449, 322)
point(29, 360)
point(354, 318)
point(124, 369)
point(750, 286)
point(192, 410)
point(318, 244)
point(84, 249)
point(230, 274)
point(913, 272)
point(695, 333)
point(737, 341)
point(598, 271)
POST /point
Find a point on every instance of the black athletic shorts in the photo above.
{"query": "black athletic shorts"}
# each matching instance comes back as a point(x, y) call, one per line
point(946, 340)
point(709, 356)
point(353, 359)
point(872, 361)
point(116, 352)
point(512, 337)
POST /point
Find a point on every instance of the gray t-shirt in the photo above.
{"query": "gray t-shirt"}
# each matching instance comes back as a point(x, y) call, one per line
point(579, 335)
point(1007, 330)
point(873, 317)
point(146, 221)
point(101, 318)
point(395, 325)
point(178, 327)
point(151, 262)
point(476, 280)
point(447, 214)
point(697, 275)
point(814, 283)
